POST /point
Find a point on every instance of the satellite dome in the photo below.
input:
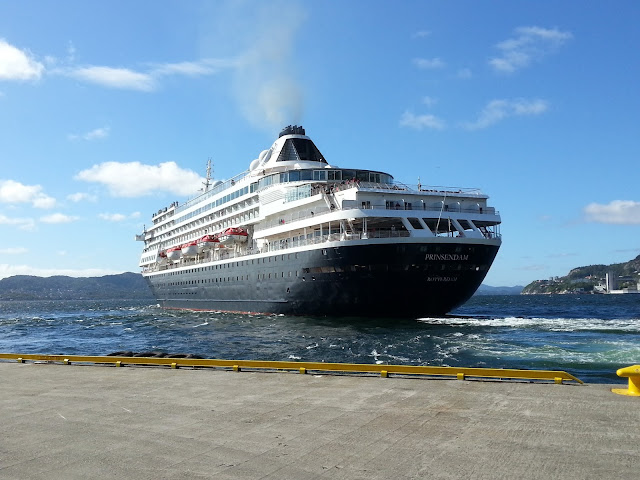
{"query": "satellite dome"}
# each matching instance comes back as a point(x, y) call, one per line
point(264, 156)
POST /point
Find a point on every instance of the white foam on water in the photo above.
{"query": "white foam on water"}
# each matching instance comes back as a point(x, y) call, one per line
point(397, 358)
point(551, 324)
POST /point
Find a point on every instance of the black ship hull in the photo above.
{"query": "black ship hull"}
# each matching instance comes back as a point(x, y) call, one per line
point(401, 280)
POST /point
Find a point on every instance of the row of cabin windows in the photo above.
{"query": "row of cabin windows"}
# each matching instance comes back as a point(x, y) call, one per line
point(255, 261)
point(454, 267)
point(292, 176)
point(289, 256)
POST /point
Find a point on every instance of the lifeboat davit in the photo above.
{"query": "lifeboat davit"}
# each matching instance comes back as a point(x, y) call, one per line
point(207, 242)
point(174, 253)
point(233, 235)
point(190, 249)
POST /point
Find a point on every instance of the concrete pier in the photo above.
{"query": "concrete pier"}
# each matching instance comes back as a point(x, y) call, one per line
point(82, 422)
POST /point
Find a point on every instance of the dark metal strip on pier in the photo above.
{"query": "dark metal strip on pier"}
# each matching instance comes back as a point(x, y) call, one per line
point(461, 373)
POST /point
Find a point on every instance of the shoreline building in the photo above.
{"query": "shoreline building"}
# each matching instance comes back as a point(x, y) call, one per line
point(612, 283)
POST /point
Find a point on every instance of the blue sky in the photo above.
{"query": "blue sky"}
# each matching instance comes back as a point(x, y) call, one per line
point(110, 110)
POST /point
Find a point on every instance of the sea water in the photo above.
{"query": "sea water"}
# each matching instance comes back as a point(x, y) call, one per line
point(589, 336)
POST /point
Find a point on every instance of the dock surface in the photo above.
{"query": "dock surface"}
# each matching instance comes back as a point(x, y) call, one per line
point(82, 422)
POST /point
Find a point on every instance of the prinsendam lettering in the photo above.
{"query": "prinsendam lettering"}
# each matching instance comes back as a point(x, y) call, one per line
point(446, 256)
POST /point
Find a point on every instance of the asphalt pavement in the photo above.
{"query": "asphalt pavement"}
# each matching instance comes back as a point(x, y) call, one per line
point(94, 422)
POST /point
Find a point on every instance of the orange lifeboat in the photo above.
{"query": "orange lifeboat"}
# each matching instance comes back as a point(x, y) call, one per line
point(174, 253)
point(190, 249)
point(208, 242)
point(233, 235)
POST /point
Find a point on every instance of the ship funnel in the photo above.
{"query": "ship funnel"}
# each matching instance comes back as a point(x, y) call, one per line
point(292, 130)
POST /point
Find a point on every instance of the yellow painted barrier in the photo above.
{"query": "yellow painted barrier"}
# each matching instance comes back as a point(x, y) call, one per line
point(239, 365)
point(633, 373)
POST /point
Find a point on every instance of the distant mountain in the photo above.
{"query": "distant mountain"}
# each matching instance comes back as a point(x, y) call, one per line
point(588, 279)
point(488, 290)
point(125, 285)
point(26, 287)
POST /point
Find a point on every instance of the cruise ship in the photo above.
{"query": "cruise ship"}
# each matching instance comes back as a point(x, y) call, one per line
point(297, 235)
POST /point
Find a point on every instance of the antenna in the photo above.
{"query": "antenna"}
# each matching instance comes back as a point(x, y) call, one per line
point(207, 182)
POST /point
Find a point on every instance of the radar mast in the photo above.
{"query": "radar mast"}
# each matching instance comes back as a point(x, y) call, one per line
point(207, 182)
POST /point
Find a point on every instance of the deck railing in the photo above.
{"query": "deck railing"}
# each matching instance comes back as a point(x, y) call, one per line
point(229, 253)
point(353, 205)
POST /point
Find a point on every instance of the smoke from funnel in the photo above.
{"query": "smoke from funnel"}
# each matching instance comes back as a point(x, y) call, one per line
point(266, 87)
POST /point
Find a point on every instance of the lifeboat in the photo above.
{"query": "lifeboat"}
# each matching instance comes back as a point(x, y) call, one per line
point(207, 242)
point(233, 235)
point(190, 249)
point(162, 257)
point(174, 253)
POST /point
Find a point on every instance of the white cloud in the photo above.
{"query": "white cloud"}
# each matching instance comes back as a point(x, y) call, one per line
point(112, 217)
point(80, 196)
point(95, 134)
point(16, 64)
point(497, 110)
point(620, 212)
point(135, 179)
point(16, 192)
point(58, 218)
point(528, 45)
point(10, 270)
point(13, 251)
point(44, 201)
point(21, 223)
point(118, 217)
point(110, 77)
point(146, 81)
point(421, 34)
point(71, 52)
point(206, 66)
point(464, 73)
point(428, 63)
point(420, 122)
point(429, 101)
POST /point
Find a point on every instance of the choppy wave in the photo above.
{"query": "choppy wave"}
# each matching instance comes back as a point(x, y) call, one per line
point(590, 337)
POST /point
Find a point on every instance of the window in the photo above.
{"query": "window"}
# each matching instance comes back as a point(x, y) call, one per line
point(335, 174)
point(415, 223)
point(294, 176)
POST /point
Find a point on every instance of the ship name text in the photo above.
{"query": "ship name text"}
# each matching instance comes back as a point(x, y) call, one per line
point(446, 257)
